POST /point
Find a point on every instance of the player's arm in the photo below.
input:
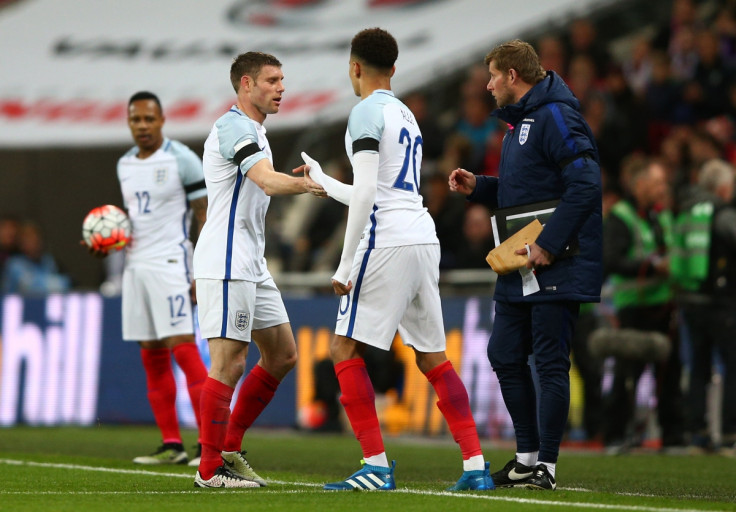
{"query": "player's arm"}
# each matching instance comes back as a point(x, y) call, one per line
point(335, 189)
point(365, 180)
point(276, 183)
point(199, 207)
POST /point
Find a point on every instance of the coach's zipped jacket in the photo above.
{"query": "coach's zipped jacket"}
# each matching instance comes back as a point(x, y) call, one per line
point(549, 153)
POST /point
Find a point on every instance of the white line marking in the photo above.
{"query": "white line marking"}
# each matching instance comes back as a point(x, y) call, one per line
point(490, 497)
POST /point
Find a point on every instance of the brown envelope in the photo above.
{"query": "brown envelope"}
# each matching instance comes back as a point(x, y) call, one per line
point(503, 260)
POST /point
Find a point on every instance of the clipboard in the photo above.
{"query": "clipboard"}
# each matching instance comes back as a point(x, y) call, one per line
point(507, 221)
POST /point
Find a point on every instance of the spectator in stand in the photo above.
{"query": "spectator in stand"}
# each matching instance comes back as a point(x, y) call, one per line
point(702, 147)
point(662, 101)
point(581, 77)
point(707, 92)
point(9, 227)
point(447, 210)
point(552, 54)
point(683, 53)
point(626, 113)
point(637, 67)
point(433, 136)
point(582, 39)
point(33, 271)
point(725, 27)
point(674, 153)
point(476, 125)
point(614, 115)
point(683, 17)
point(477, 237)
point(456, 152)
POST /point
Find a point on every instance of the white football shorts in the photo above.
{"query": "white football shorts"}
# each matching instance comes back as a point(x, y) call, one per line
point(156, 304)
point(394, 288)
point(232, 309)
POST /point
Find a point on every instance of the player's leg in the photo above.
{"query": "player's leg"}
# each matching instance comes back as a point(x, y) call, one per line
point(227, 331)
point(272, 333)
point(359, 400)
point(508, 353)
point(161, 392)
point(278, 356)
point(455, 407)
point(187, 356)
point(553, 324)
point(368, 315)
point(422, 327)
point(139, 325)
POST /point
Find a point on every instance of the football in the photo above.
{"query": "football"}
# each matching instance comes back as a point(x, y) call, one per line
point(106, 227)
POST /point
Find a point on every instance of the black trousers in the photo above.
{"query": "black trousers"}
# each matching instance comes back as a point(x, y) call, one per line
point(621, 402)
point(712, 328)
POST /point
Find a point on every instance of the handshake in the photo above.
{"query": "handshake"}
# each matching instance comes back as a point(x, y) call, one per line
point(334, 188)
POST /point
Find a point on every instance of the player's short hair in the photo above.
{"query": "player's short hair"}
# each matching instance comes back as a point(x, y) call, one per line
point(146, 95)
point(520, 56)
point(376, 47)
point(250, 63)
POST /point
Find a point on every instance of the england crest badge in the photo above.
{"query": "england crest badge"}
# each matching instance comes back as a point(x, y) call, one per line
point(242, 319)
point(524, 133)
point(161, 175)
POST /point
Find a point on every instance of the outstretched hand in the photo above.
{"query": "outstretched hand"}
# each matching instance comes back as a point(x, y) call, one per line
point(315, 170)
point(462, 181)
point(312, 186)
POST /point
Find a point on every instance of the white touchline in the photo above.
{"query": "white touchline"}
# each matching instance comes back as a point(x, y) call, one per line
point(491, 497)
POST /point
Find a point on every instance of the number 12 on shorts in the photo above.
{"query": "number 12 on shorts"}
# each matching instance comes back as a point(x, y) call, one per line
point(176, 306)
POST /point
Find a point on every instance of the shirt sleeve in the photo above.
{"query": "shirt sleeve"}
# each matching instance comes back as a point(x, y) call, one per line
point(117, 171)
point(365, 126)
point(190, 171)
point(569, 147)
point(239, 141)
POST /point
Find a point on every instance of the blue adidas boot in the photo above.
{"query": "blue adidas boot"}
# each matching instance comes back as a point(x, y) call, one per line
point(369, 478)
point(478, 480)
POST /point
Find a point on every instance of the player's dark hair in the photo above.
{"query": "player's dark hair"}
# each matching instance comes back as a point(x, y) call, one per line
point(250, 63)
point(375, 47)
point(520, 56)
point(146, 95)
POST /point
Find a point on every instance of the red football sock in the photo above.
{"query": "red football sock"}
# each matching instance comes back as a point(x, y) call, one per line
point(359, 401)
point(215, 412)
point(188, 358)
point(162, 391)
point(455, 407)
point(254, 395)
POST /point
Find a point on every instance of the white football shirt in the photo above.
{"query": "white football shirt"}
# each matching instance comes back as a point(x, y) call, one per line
point(383, 123)
point(233, 240)
point(156, 192)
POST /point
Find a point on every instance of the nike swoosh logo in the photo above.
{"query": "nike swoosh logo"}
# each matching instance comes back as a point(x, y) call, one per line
point(513, 475)
point(177, 322)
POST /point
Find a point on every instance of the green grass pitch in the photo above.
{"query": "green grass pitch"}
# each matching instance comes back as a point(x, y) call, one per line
point(81, 469)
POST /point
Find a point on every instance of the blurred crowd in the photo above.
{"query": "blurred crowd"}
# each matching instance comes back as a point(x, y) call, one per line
point(662, 105)
point(26, 267)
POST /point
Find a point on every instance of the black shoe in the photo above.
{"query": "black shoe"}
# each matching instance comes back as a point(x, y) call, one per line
point(541, 479)
point(513, 474)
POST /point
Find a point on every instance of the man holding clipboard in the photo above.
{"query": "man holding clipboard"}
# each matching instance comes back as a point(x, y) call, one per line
point(549, 173)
